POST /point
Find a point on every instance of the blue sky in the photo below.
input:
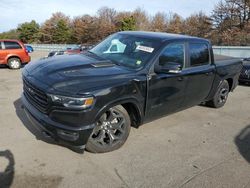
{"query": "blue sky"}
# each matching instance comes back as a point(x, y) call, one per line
point(14, 12)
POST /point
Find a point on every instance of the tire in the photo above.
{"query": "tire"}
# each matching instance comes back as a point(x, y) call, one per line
point(111, 131)
point(14, 63)
point(221, 95)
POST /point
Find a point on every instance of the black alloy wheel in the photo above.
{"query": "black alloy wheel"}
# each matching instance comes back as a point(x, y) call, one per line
point(111, 131)
point(221, 96)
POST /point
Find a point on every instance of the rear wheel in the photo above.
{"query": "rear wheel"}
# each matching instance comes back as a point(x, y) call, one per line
point(221, 96)
point(14, 63)
point(111, 131)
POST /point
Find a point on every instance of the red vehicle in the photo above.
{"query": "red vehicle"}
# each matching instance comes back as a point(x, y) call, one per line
point(74, 50)
point(13, 53)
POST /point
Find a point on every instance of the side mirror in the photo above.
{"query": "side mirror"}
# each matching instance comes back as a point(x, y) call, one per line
point(169, 67)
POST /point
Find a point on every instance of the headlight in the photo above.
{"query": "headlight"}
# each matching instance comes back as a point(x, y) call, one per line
point(73, 102)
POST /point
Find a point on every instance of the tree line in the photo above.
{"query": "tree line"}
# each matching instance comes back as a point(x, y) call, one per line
point(228, 24)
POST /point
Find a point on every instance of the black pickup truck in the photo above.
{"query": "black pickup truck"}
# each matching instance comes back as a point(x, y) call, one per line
point(90, 100)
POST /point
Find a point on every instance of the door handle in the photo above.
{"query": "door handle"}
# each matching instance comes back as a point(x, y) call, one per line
point(209, 73)
point(180, 78)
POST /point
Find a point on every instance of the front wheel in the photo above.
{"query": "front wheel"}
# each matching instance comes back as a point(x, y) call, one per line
point(220, 98)
point(111, 131)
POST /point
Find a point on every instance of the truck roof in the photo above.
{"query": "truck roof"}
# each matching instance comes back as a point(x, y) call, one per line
point(160, 35)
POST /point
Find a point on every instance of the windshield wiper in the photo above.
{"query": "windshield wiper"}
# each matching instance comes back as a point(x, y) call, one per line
point(94, 54)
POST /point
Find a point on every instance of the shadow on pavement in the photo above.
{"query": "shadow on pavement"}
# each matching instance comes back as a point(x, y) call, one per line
point(26, 122)
point(242, 141)
point(6, 67)
point(7, 176)
point(244, 84)
point(35, 131)
point(3, 66)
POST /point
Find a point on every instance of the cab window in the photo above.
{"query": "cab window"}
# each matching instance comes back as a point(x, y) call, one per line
point(199, 54)
point(173, 53)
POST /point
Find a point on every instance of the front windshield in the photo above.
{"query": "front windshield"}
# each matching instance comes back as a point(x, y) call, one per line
point(127, 50)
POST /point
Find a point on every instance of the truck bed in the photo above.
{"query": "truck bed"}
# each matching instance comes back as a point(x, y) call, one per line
point(221, 58)
point(227, 67)
point(225, 60)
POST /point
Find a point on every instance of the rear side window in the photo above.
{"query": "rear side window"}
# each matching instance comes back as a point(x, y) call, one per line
point(12, 45)
point(199, 54)
point(1, 46)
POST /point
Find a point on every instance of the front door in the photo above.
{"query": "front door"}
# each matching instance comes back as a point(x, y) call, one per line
point(166, 91)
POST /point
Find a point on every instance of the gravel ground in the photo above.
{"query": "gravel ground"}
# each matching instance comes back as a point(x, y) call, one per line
point(198, 147)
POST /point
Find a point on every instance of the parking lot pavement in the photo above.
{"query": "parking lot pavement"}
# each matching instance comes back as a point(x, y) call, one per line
point(198, 147)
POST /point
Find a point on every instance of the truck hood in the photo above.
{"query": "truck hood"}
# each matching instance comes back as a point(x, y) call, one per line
point(76, 73)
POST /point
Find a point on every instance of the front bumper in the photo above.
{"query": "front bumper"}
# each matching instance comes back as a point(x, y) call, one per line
point(75, 137)
point(244, 79)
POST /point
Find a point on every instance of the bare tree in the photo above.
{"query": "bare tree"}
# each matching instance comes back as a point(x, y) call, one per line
point(159, 22)
point(176, 24)
point(141, 19)
point(85, 29)
point(106, 21)
point(56, 29)
point(198, 25)
point(231, 20)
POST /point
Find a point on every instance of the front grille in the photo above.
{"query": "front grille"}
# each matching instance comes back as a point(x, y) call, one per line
point(35, 96)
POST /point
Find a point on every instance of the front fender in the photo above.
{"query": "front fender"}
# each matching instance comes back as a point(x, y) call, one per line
point(122, 101)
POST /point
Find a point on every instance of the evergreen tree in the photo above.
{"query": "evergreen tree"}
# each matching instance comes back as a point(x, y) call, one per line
point(128, 24)
point(29, 32)
point(61, 33)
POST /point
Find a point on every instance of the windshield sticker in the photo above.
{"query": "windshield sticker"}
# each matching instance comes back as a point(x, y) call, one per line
point(145, 48)
point(138, 62)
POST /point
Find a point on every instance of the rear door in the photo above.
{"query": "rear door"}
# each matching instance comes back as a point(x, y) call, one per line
point(200, 73)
